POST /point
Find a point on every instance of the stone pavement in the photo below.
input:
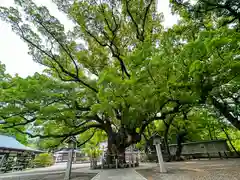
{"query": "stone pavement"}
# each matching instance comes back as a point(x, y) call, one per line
point(119, 174)
point(57, 169)
point(215, 169)
point(44, 173)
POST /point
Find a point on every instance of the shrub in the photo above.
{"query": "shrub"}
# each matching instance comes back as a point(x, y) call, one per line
point(43, 160)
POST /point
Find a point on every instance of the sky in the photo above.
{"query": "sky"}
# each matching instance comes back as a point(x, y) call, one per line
point(14, 52)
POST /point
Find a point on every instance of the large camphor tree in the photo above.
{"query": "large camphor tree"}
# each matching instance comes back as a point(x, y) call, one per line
point(100, 64)
point(117, 71)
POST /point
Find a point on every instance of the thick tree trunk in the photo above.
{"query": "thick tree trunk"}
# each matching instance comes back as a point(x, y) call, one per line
point(118, 142)
point(121, 155)
point(109, 152)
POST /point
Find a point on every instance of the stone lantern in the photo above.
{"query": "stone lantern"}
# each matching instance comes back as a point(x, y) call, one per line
point(157, 143)
point(71, 145)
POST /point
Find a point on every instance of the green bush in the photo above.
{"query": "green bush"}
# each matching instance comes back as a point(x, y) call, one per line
point(43, 160)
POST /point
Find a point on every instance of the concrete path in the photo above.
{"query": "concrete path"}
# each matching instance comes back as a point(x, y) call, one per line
point(119, 174)
point(55, 169)
point(122, 174)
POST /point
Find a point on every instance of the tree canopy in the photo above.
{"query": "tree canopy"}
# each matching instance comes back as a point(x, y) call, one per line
point(119, 70)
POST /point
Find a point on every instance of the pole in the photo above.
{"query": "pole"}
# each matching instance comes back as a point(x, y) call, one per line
point(132, 156)
point(69, 165)
point(102, 157)
point(116, 163)
point(75, 154)
point(160, 159)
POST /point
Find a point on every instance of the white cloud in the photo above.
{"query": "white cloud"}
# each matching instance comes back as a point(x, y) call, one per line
point(14, 52)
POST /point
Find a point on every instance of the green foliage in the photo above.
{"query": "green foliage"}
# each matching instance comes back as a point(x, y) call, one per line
point(43, 160)
point(234, 136)
point(92, 152)
point(118, 68)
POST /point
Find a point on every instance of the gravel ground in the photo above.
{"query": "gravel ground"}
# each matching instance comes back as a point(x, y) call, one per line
point(57, 176)
point(196, 170)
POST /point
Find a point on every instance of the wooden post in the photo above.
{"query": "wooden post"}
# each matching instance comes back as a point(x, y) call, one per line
point(133, 157)
point(220, 155)
point(139, 156)
point(209, 157)
point(129, 159)
point(225, 154)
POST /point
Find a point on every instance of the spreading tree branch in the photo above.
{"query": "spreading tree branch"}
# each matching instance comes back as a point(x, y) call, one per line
point(54, 58)
point(20, 124)
point(162, 117)
point(66, 50)
point(99, 126)
point(84, 142)
point(133, 20)
point(145, 18)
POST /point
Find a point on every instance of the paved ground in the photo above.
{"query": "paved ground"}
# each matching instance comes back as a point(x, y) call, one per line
point(53, 172)
point(80, 172)
point(119, 174)
point(226, 169)
point(55, 167)
point(196, 170)
point(51, 176)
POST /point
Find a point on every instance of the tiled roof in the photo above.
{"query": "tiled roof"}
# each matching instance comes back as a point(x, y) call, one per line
point(9, 142)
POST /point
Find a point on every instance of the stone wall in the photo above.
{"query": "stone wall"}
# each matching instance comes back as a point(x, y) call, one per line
point(202, 147)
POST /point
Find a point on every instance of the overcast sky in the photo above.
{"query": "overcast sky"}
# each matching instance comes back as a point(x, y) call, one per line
point(14, 52)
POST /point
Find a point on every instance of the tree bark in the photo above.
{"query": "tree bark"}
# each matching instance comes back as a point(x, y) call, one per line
point(118, 142)
point(109, 152)
point(121, 155)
